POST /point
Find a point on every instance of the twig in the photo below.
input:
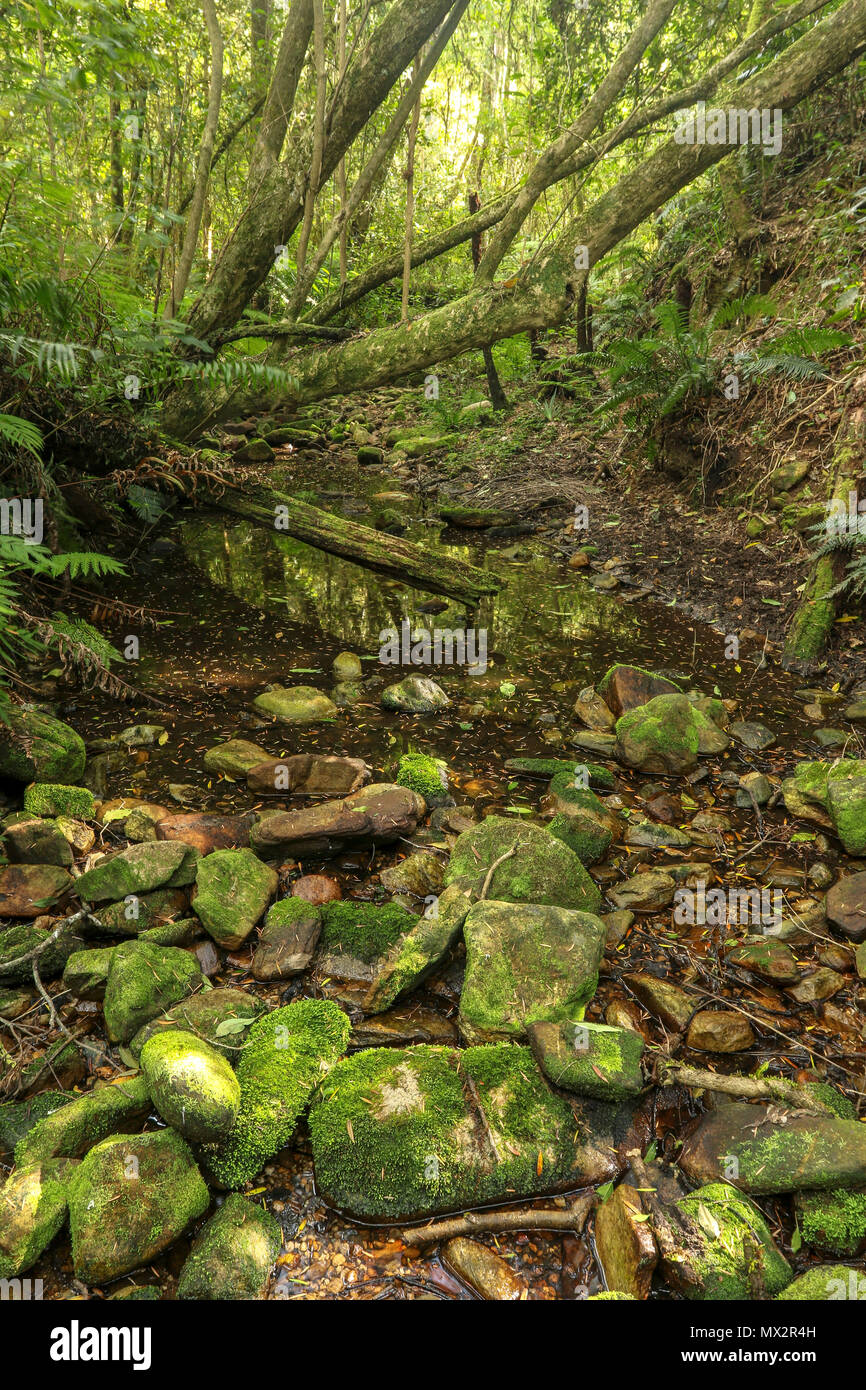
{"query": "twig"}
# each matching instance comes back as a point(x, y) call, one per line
point(747, 1087)
point(573, 1218)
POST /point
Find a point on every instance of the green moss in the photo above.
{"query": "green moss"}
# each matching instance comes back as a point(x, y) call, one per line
point(233, 1255)
point(233, 890)
point(74, 1128)
point(32, 1211)
point(143, 981)
point(584, 836)
point(834, 1221)
point(552, 767)
point(191, 1084)
point(811, 780)
point(539, 868)
point(39, 747)
point(419, 951)
point(661, 736)
point(425, 775)
point(54, 799)
point(609, 1297)
point(364, 930)
point(592, 1059)
point(205, 1015)
point(289, 911)
point(288, 1053)
point(17, 1118)
point(827, 1283)
point(725, 1226)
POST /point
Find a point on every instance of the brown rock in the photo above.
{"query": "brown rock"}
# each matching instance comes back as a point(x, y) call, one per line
point(206, 833)
point(592, 711)
point(484, 1271)
point(626, 687)
point(719, 1030)
point(846, 906)
point(317, 889)
point(377, 815)
point(26, 889)
point(624, 1242)
point(821, 984)
point(309, 774)
point(668, 1002)
point(772, 960)
point(288, 940)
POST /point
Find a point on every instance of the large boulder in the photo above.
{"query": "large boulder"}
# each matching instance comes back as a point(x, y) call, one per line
point(376, 815)
point(526, 962)
point(288, 1054)
point(296, 704)
point(666, 735)
point(400, 1134)
point(191, 1084)
point(144, 980)
point(131, 1198)
point(309, 774)
point(233, 1254)
point(747, 1145)
point(233, 889)
point(37, 747)
point(138, 869)
point(626, 687)
point(529, 865)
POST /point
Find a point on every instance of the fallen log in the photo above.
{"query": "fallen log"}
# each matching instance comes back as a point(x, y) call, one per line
point(362, 545)
point(571, 1218)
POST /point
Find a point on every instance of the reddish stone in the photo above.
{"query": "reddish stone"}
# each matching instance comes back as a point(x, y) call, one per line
point(206, 833)
point(317, 889)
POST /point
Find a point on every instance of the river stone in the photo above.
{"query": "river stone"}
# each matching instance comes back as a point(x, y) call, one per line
point(592, 711)
point(139, 913)
point(821, 984)
point(296, 704)
point(665, 1000)
point(827, 1283)
point(665, 736)
point(32, 1211)
point(191, 1085)
point(309, 774)
point(483, 1270)
point(526, 962)
point(604, 745)
point(721, 1229)
point(415, 695)
point(419, 875)
point(288, 940)
point(17, 1118)
point(72, 1129)
point(719, 1030)
point(233, 889)
point(37, 842)
point(754, 790)
point(38, 747)
point(807, 1151)
point(232, 1256)
point(420, 950)
point(401, 1134)
point(138, 869)
point(85, 974)
point(55, 799)
point(235, 757)
point(644, 892)
point(651, 835)
point(846, 906)
point(288, 1054)
point(206, 833)
point(846, 803)
point(18, 941)
point(220, 1017)
point(772, 960)
point(27, 890)
point(375, 815)
point(585, 835)
point(833, 1221)
point(625, 1244)
point(317, 889)
point(131, 1198)
point(753, 735)
point(592, 1059)
point(347, 668)
point(788, 475)
point(626, 687)
point(539, 869)
point(143, 981)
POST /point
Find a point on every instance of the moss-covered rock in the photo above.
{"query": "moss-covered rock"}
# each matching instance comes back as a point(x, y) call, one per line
point(36, 746)
point(747, 1144)
point(400, 1134)
point(54, 799)
point(582, 834)
point(420, 950)
point(143, 981)
point(233, 889)
point(425, 775)
point(288, 940)
point(139, 869)
point(592, 1059)
point(666, 735)
point(236, 757)
point(17, 1118)
point(415, 695)
point(71, 1130)
point(288, 1054)
point(130, 1199)
point(233, 1255)
point(29, 890)
point(728, 1250)
point(85, 974)
point(297, 704)
point(549, 767)
point(139, 912)
point(192, 1085)
point(33, 841)
point(840, 789)
point(363, 930)
point(17, 942)
point(827, 1283)
point(415, 879)
point(524, 963)
point(833, 1221)
point(32, 1211)
point(221, 1017)
point(539, 868)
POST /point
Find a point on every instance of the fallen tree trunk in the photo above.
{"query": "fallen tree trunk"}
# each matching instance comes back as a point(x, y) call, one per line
point(362, 545)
